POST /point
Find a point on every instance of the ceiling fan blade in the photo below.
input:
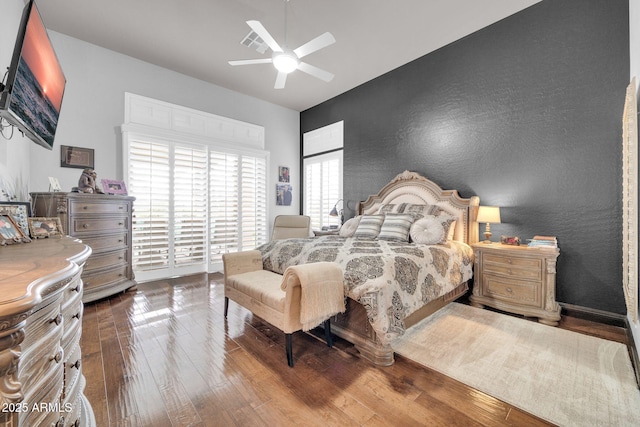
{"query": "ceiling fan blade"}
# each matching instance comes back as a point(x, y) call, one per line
point(318, 43)
point(280, 80)
point(315, 71)
point(251, 61)
point(264, 35)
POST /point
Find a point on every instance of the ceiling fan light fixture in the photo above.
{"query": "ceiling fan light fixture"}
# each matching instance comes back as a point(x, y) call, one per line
point(285, 62)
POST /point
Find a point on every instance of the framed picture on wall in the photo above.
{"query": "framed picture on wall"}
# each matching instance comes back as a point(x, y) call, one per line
point(76, 157)
point(283, 174)
point(283, 194)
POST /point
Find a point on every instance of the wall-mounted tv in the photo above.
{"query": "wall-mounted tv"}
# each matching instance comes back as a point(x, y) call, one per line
point(32, 96)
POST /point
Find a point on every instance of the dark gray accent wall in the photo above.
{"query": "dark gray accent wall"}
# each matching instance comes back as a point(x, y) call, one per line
point(526, 114)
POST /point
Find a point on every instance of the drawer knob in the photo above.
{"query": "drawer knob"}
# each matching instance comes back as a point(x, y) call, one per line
point(85, 207)
point(85, 225)
point(121, 207)
point(121, 223)
point(57, 357)
point(57, 320)
point(76, 288)
point(77, 316)
point(75, 365)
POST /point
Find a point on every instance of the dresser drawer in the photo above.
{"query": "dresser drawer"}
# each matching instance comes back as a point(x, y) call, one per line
point(92, 207)
point(42, 359)
point(523, 268)
point(107, 242)
point(110, 259)
point(80, 226)
point(98, 279)
point(41, 324)
point(72, 369)
point(511, 290)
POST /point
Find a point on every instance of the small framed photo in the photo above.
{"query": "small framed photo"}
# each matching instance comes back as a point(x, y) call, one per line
point(19, 211)
point(510, 240)
point(283, 194)
point(112, 186)
point(10, 232)
point(76, 157)
point(283, 174)
point(41, 227)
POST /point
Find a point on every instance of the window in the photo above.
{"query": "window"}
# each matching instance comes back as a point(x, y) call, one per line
point(186, 193)
point(200, 183)
point(322, 168)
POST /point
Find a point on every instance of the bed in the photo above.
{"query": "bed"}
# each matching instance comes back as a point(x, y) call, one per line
point(391, 284)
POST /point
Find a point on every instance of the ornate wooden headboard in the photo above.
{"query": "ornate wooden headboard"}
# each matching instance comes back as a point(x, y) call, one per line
point(411, 187)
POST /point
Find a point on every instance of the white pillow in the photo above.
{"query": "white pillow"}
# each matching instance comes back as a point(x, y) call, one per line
point(431, 230)
point(348, 229)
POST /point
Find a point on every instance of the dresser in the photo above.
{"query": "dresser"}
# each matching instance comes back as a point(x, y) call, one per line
point(40, 327)
point(104, 223)
point(516, 279)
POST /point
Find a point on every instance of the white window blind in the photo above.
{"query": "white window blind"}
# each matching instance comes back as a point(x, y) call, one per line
point(193, 204)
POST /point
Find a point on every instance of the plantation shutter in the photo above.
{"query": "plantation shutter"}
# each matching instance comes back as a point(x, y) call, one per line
point(254, 202)
point(190, 205)
point(223, 204)
point(149, 180)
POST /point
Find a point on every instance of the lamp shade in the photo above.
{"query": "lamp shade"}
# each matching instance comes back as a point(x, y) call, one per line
point(489, 214)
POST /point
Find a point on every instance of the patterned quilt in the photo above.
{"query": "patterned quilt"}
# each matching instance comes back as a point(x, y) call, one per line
point(390, 279)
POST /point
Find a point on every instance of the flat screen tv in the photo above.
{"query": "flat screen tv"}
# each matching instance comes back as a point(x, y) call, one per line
point(32, 96)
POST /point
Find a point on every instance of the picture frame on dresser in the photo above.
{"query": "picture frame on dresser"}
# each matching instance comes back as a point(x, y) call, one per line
point(113, 186)
point(20, 211)
point(42, 227)
point(10, 231)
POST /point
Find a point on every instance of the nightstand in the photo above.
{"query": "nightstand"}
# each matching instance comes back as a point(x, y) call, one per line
point(332, 232)
point(516, 279)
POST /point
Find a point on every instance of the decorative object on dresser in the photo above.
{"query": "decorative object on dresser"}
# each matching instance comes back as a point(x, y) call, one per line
point(10, 231)
point(113, 186)
point(517, 279)
point(40, 329)
point(104, 223)
point(87, 182)
point(488, 215)
point(41, 227)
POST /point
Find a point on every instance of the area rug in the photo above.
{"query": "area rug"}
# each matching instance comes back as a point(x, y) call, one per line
point(564, 377)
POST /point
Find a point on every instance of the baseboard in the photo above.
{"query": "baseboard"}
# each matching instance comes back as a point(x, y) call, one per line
point(600, 316)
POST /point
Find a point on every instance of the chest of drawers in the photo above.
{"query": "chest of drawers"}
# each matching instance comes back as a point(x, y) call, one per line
point(104, 223)
point(40, 329)
point(517, 279)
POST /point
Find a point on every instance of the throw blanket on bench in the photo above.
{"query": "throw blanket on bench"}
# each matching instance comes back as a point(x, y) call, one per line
point(322, 293)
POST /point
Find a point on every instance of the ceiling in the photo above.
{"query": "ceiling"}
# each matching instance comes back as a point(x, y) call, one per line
point(198, 37)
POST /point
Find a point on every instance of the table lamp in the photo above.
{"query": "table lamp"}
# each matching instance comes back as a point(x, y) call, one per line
point(488, 215)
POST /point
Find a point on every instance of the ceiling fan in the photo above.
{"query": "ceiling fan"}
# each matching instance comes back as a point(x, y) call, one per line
point(286, 60)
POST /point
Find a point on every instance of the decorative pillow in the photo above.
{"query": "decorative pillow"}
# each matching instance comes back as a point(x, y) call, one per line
point(384, 209)
point(348, 229)
point(396, 227)
point(431, 230)
point(369, 226)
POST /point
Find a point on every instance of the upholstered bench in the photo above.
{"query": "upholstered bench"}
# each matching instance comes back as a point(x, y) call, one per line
point(278, 298)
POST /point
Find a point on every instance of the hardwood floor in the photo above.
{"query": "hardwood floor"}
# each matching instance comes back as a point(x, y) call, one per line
point(163, 355)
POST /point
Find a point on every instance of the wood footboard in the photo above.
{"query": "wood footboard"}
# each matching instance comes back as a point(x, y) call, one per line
point(353, 325)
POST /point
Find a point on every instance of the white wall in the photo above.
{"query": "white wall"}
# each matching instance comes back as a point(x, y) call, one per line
point(93, 110)
point(634, 46)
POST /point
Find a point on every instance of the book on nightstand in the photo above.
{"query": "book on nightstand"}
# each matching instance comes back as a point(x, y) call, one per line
point(545, 241)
